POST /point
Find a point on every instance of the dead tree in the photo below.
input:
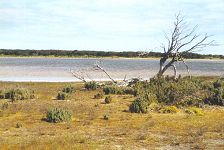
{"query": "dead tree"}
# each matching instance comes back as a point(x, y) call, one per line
point(97, 66)
point(78, 75)
point(181, 41)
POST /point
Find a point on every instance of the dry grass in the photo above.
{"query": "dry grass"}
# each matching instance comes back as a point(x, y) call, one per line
point(88, 129)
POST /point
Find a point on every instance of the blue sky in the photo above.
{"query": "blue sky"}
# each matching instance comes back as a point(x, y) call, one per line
point(118, 25)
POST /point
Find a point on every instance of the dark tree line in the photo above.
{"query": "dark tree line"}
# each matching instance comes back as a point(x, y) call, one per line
point(87, 53)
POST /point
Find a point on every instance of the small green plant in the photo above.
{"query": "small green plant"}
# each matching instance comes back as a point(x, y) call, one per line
point(169, 109)
point(19, 94)
point(218, 84)
point(216, 97)
point(99, 95)
point(68, 89)
point(106, 117)
point(91, 85)
point(112, 90)
point(18, 125)
point(108, 99)
point(139, 106)
point(194, 111)
point(56, 115)
point(62, 96)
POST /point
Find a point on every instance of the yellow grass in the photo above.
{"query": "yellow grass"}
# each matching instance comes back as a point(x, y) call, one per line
point(88, 129)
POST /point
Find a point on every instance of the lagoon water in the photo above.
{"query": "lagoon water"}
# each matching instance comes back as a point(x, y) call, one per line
point(58, 69)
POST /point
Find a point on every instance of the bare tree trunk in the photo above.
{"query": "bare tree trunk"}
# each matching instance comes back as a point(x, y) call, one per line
point(178, 41)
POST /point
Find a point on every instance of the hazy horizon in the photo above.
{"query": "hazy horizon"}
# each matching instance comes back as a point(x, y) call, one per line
point(112, 25)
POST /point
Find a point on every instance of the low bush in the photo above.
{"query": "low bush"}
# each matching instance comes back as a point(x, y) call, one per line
point(219, 83)
point(91, 85)
point(106, 117)
point(62, 96)
point(118, 90)
point(19, 125)
point(216, 97)
point(142, 102)
point(128, 90)
point(99, 95)
point(18, 94)
point(170, 91)
point(194, 111)
point(68, 89)
point(56, 115)
point(112, 90)
point(169, 109)
point(108, 99)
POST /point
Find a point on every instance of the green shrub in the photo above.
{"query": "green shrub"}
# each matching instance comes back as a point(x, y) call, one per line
point(139, 106)
point(112, 90)
point(216, 97)
point(91, 85)
point(170, 91)
point(142, 102)
point(128, 90)
point(19, 125)
point(108, 99)
point(194, 111)
point(62, 96)
point(169, 109)
point(56, 115)
point(19, 94)
point(218, 84)
point(68, 89)
point(99, 95)
point(118, 90)
point(106, 117)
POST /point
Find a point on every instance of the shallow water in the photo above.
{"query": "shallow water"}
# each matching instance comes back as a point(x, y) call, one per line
point(57, 69)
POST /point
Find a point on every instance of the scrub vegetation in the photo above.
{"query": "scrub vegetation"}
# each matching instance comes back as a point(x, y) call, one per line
point(163, 113)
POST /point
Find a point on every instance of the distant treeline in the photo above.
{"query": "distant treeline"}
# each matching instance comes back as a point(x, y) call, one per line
point(87, 53)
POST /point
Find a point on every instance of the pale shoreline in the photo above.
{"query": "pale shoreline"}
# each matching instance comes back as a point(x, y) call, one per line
point(124, 58)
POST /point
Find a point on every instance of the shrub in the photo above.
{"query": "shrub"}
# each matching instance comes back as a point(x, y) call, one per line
point(194, 111)
point(106, 117)
point(171, 91)
point(56, 115)
point(99, 95)
point(91, 85)
point(169, 109)
point(62, 96)
point(142, 102)
point(19, 125)
point(112, 90)
point(118, 90)
point(19, 94)
point(139, 106)
point(218, 84)
point(68, 89)
point(129, 90)
point(216, 97)
point(108, 99)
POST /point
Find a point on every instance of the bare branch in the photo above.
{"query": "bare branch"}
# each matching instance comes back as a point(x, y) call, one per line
point(80, 77)
point(98, 67)
point(175, 70)
point(181, 41)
